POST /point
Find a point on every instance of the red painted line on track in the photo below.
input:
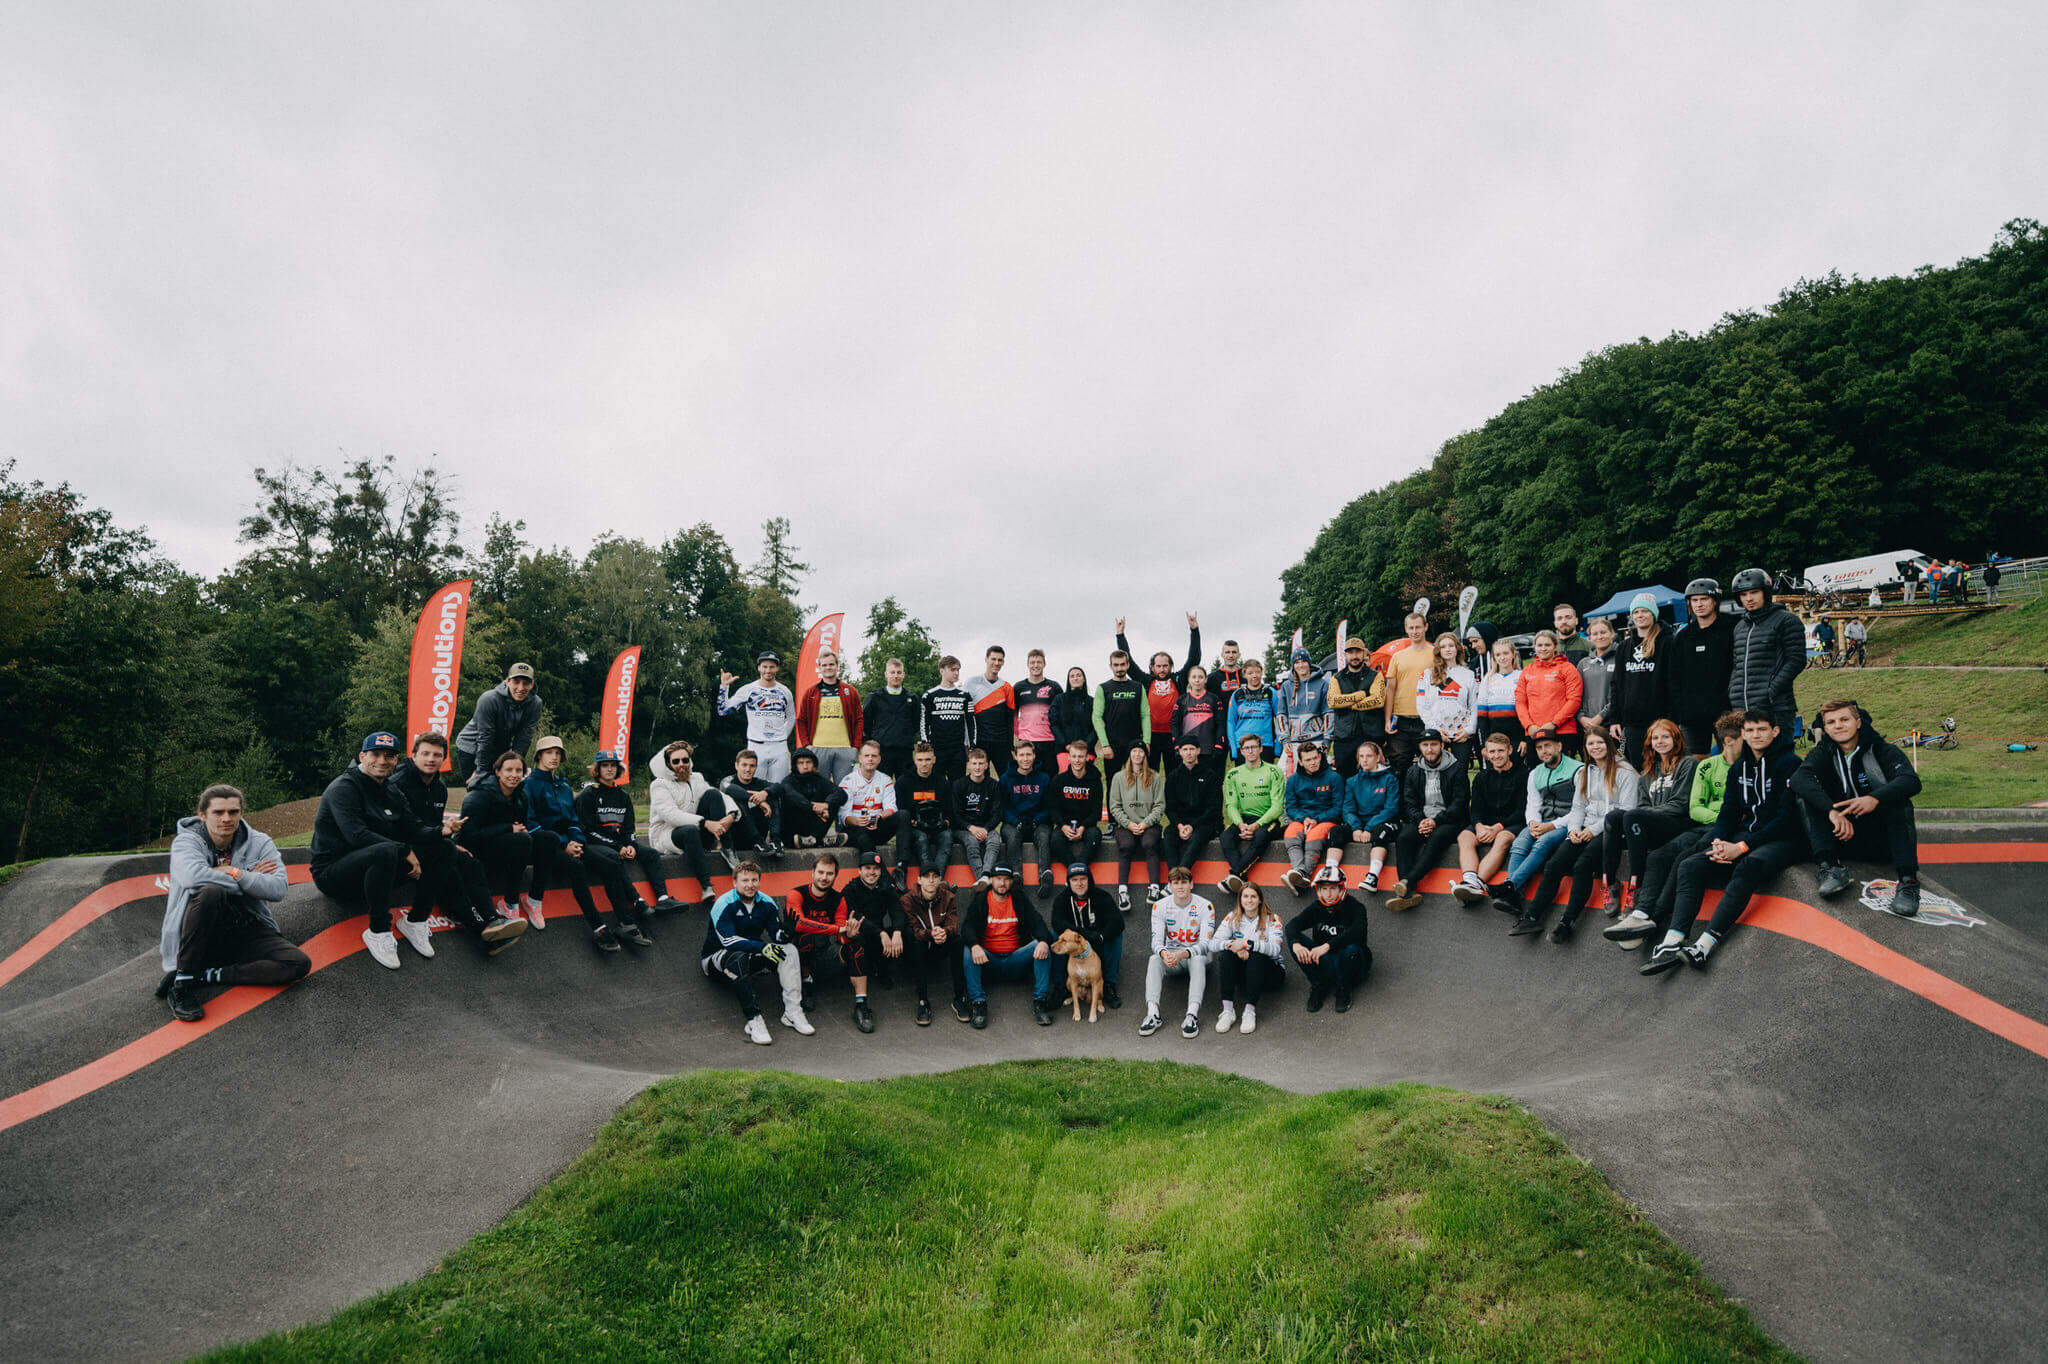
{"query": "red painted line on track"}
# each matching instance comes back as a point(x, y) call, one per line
point(1778, 914)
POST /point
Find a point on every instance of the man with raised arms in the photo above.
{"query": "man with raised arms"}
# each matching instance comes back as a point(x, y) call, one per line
point(771, 712)
point(1163, 690)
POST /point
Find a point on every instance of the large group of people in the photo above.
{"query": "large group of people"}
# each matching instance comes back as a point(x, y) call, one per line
point(1638, 760)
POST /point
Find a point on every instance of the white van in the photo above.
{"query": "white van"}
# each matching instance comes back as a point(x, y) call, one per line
point(1860, 575)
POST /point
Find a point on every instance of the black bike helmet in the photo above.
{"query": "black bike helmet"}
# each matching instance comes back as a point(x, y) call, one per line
point(1703, 587)
point(1752, 580)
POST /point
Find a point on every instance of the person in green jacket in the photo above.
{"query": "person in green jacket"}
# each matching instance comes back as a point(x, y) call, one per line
point(1137, 814)
point(1659, 883)
point(1254, 800)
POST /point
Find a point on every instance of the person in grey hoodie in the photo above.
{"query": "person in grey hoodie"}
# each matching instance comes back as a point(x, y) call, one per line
point(1770, 651)
point(506, 719)
point(1436, 801)
point(218, 928)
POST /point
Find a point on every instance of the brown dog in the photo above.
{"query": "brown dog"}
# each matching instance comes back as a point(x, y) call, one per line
point(1084, 973)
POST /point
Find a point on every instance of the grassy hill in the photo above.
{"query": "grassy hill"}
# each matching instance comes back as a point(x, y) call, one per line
point(2015, 636)
point(1057, 1210)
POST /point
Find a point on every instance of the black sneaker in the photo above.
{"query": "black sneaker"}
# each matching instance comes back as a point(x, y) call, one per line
point(632, 933)
point(981, 1013)
point(810, 1002)
point(924, 1013)
point(1563, 931)
point(184, 1001)
point(961, 1011)
point(1343, 999)
point(1834, 879)
point(1041, 1011)
point(1110, 996)
point(668, 904)
point(1906, 899)
point(1695, 956)
point(863, 1016)
point(1663, 959)
point(163, 987)
point(1316, 995)
point(605, 939)
point(1045, 879)
point(1525, 926)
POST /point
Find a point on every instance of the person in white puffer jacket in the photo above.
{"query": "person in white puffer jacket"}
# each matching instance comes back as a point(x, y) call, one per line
point(1250, 947)
point(1447, 697)
point(686, 817)
point(1603, 784)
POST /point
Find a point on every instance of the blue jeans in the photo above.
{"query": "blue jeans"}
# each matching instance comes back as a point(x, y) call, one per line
point(923, 848)
point(1342, 969)
point(1009, 966)
point(1529, 853)
point(1112, 955)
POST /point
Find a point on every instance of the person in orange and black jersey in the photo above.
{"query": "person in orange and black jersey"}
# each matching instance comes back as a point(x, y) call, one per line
point(1200, 714)
point(924, 809)
point(872, 934)
point(1228, 674)
point(1163, 689)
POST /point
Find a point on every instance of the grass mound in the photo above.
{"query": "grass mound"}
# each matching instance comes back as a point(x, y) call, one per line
point(2013, 636)
point(1058, 1210)
point(1990, 709)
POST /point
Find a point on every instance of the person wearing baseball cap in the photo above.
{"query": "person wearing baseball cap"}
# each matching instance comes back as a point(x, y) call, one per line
point(604, 807)
point(771, 713)
point(1003, 935)
point(1357, 694)
point(1549, 801)
point(361, 847)
point(871, 933)
point(505, 720)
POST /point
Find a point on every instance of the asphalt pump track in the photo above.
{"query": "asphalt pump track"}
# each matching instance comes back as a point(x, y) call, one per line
point(1841, 1117)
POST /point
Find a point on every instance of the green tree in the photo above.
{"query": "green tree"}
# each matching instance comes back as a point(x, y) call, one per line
point(778, 567)
point(893, 633)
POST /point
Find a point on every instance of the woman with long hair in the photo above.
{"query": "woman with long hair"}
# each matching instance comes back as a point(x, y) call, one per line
point(1137, 812)
point(1549, 690)
point(1250, 947)
point(1662, 815)
point(1447, 697)
point(1641, 693)
point(1495, 709)
point(1604, 783)
point(1073, 717)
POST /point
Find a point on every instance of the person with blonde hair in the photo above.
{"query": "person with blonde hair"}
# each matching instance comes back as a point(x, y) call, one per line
point(1250, 948)
point(1447, 697)
point(1137, 813)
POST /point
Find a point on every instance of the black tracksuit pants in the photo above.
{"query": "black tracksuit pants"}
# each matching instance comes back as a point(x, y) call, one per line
point(1748, 875)
point(219, 936)
point(1886, 834)
point(367, 877)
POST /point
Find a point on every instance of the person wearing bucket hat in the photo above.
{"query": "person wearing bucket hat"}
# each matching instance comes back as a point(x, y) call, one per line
point(771, 712)
point(1641, 692)
point(605, 809)
point(551, 805)
point(1702, 657)
point(505, 719)
point(361, 847)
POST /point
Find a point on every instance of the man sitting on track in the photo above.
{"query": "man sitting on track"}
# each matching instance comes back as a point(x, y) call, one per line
point(217, 924)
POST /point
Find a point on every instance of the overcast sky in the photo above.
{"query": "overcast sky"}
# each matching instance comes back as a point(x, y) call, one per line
point(1031, 314)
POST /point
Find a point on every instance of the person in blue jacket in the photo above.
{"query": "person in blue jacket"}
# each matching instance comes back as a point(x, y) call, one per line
point(1253, 709)
point(1315, 807)
point(1024, 814)
point(551, 805)
point(1372, 808)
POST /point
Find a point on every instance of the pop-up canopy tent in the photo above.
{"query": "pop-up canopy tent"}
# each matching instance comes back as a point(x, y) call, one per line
point(1669, 604)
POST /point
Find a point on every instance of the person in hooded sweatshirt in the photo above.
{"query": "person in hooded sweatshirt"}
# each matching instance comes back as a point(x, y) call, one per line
point(1305, 714)
point(1194, 803)
point(1479, 639)
point(505, 720)
point(551, 803)
point(1603, 785)
point(1769, 652)
point(1436, 800)
point(1358, 700)
point(1498, 813)
point(218, 929)
point(686, 818)
point(1757, 836)
point(361, 843)
point(496, 831)
point(977, 804)
point(1641, 692)
point(1314, 819)
point(450, 875)
point(1253, 711)
point(1372, 809)
point(1073, 717)
point(1702, 657)
point(604, 807)
point(810, 804)
point(1083, 907)
point(1025, 816)
point(1855, 795)
point(1073, 802)
point(1328, 941)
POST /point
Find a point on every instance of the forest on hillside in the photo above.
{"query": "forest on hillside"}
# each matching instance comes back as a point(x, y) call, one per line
point(1850, 417)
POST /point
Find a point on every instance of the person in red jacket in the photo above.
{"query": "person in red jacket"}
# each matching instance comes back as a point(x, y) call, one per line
point(1549, 692)
point(828, 719)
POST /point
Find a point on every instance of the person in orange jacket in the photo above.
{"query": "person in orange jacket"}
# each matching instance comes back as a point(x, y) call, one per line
point(1549, 691)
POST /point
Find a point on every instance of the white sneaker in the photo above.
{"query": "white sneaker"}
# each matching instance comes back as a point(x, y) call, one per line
point(1123, 898)
point(1149, 1026)
point(534, 915)
point(383, 947)
point(419, 935)
point(1251, 1019)
point(794, 1018)
point(1226, 1016)
point(757, 1031)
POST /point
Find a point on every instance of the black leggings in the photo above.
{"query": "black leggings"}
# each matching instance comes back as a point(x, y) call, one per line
point(1248, 978)
point(1638, 833)
point(225, 944)
point(507, 855)
point(1129, 844)
point(1579, 861)
point(644, 857)
point(366, 877)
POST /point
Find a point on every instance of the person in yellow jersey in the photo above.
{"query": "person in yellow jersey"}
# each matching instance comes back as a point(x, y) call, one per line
point(828, 720)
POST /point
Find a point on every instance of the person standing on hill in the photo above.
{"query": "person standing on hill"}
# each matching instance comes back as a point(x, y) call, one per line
point(1702, 657)
point(505, 720)
point(947, 722)
point(1548, 693)
point(829, 719)
point(1163, 690)
point(1035, 696)
point(1073, 717)
point(1122, 715)
point(1252, 710)
point(892, 719)
point(1203, 716)
point(771, 711)
point(218, 928)
point(1770, 652)
point(1596, 674)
